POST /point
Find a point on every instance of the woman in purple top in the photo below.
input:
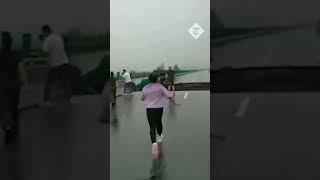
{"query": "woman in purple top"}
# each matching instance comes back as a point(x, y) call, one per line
point(155, 98)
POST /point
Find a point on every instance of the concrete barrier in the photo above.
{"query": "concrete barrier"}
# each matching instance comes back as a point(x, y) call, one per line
point(120, 89)
point(33, 72)
point(121, 83)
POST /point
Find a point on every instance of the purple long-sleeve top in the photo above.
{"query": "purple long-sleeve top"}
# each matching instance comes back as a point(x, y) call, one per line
point(155, 95)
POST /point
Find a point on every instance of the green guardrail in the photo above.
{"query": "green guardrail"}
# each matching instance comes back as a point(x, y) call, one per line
point(98, 76)
point(142, 83)
point(145, 81)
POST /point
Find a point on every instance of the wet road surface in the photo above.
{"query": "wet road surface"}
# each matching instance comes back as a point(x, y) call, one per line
point(270, 136)
point(56, 144)
point(186, 146)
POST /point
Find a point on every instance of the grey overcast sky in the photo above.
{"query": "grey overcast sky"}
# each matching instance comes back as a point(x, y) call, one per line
point(27, 16)
point(145, 33)
point(267, 12)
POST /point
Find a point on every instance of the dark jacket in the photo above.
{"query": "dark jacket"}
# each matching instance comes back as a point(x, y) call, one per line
point(9, 71)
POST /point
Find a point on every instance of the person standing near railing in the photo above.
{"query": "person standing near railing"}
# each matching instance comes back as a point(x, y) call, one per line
point(113, 89)
point(171, 79)
point(128, 82)
point(163, 80)
point(54, 47)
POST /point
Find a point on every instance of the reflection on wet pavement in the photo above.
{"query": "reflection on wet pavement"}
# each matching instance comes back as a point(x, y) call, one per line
point(186, 146)
point(57, 143)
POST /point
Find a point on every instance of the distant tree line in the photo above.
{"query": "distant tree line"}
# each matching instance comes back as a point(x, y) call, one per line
point(162, 67)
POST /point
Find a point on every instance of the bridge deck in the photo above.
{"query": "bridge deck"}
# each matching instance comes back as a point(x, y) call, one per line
point(64, 145)
point(55, 144)
point(187, 140)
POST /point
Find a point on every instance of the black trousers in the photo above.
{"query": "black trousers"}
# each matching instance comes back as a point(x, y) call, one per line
point(154, 116)
point(58, 74)
point(128, 88)
point(9, 112)
point(113, 97)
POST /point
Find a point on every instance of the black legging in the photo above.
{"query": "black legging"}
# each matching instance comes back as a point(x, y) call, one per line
point(154, 118)
point(9, 109)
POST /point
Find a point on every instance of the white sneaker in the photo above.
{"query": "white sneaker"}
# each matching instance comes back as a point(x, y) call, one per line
point(160, 140)
point(155, 150)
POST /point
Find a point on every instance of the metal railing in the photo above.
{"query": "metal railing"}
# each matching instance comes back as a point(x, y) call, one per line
point(33, 71)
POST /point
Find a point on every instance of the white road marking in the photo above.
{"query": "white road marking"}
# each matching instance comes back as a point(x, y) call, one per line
point(186, 95)
point(243, 107)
